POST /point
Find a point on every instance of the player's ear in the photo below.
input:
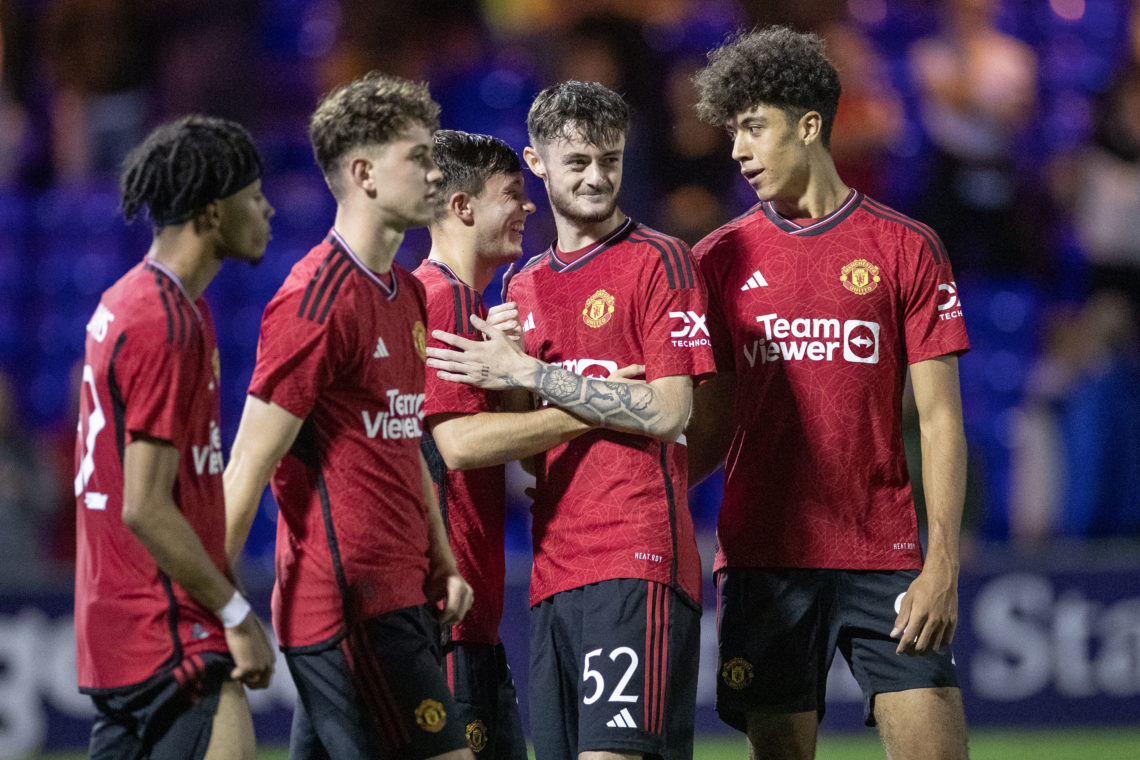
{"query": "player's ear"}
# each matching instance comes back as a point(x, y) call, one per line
point(459, 204)
point(209, 218)
point(811, 127)
point(534, 162)
point(360, 171)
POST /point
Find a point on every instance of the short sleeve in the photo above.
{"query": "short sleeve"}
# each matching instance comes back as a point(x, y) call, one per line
point(932, 307)
point(448, 310)
point(157, 378)
point(719, 334)
point(674, 334)
point(295, 356)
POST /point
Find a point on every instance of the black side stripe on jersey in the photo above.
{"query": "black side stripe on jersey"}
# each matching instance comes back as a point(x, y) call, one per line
point(672, 256)
point(172, 619)
point(933, 242)
point(318, 285)
point(334, 546)
point(118, 405)
point(332, 295)
point(173, 298)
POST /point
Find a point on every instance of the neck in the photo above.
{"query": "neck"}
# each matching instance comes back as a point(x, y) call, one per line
point(461, 258)
point(573, 235)
point(822, 194)
point(374, 244)
point(185, 253)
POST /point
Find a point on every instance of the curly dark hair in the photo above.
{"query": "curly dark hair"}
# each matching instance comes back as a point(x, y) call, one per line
point(468, 160)
point(185, 164)
point(372, 110)
point(578, 109)
point(776, 67)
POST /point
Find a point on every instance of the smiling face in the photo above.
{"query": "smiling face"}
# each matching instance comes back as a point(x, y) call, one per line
point(243, 223)
point(582, 179)
point(405, 179)
point(772, 153)
point(500, 211)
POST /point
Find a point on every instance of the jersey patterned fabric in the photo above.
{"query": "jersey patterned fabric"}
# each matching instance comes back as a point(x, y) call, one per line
point(610, 504)
point(472, 501)
point(819, 322)
point(344, 351)
point(150, 373)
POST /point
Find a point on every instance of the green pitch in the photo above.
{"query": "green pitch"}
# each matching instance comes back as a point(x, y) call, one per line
point(1087, 744)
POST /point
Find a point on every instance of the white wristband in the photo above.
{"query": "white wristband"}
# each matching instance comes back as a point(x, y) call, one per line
point(235, 611)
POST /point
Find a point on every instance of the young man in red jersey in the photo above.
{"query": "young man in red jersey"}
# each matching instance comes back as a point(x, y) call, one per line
point(615, 590)
point(468, 435)
point(164, 641)
point(819, 300)
point(334, 417)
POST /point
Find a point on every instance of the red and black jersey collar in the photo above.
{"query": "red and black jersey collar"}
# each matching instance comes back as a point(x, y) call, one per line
point(816, 226)
point(615, 237)
point(389, 291)
point(162, 271)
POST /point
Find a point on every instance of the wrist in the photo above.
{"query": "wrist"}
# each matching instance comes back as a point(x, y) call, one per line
point(235, 611)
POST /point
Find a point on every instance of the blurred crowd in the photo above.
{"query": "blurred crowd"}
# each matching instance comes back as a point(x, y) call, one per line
point(1011, 128)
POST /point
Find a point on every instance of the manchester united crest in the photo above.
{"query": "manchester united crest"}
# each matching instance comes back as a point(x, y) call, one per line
point(860, 276)
point(599, 308)
point(419, 339)
point(430, 716)
point(736, 673)
point(477, 735)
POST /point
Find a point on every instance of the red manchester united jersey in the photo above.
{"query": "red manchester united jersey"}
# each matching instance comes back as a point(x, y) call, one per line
point(819, 322)
point(150, 372)
point(344, 351)
point(472, 501)
point(609, 504)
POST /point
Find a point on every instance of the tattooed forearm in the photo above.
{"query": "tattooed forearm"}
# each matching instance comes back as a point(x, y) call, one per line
point(628, 406)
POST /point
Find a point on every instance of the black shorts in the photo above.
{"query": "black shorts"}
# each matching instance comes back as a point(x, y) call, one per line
point(170, 716)
point(485, 699)
point(379, 693)
point(779, 630)
point(613, 666)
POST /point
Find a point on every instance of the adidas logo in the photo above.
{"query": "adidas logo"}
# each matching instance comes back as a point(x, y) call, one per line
point(755, 281)
point(622, 720)
point(529, 323)
point(381, 349)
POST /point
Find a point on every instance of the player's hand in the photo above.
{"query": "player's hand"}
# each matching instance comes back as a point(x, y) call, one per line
point(495, 364)
point(450, 595)
point(253, 656)
point(628, 373)
point(505, 317)
point(928, 613)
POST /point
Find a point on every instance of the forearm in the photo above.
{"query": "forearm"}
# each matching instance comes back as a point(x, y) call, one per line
point(171, 541)
point(489, 438)
point(245, 480)
point(944, 485)
point(710, 429)
point(633, 407)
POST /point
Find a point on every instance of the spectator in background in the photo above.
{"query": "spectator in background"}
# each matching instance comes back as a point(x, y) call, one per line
point(870, 116)
point(1100, 185)
point(97, 57)
point(978, 90)
point(1076, 456)
point(26, 496)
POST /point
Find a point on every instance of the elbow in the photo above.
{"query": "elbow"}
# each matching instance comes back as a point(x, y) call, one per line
point(133, 516)
point(455, 457)
point(670, 429)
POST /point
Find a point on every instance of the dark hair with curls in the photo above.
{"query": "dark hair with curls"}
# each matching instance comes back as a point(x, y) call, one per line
point(573, 109)
point(183, 165)
point(468, 160)
point(372, 110)
point(775, 67)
